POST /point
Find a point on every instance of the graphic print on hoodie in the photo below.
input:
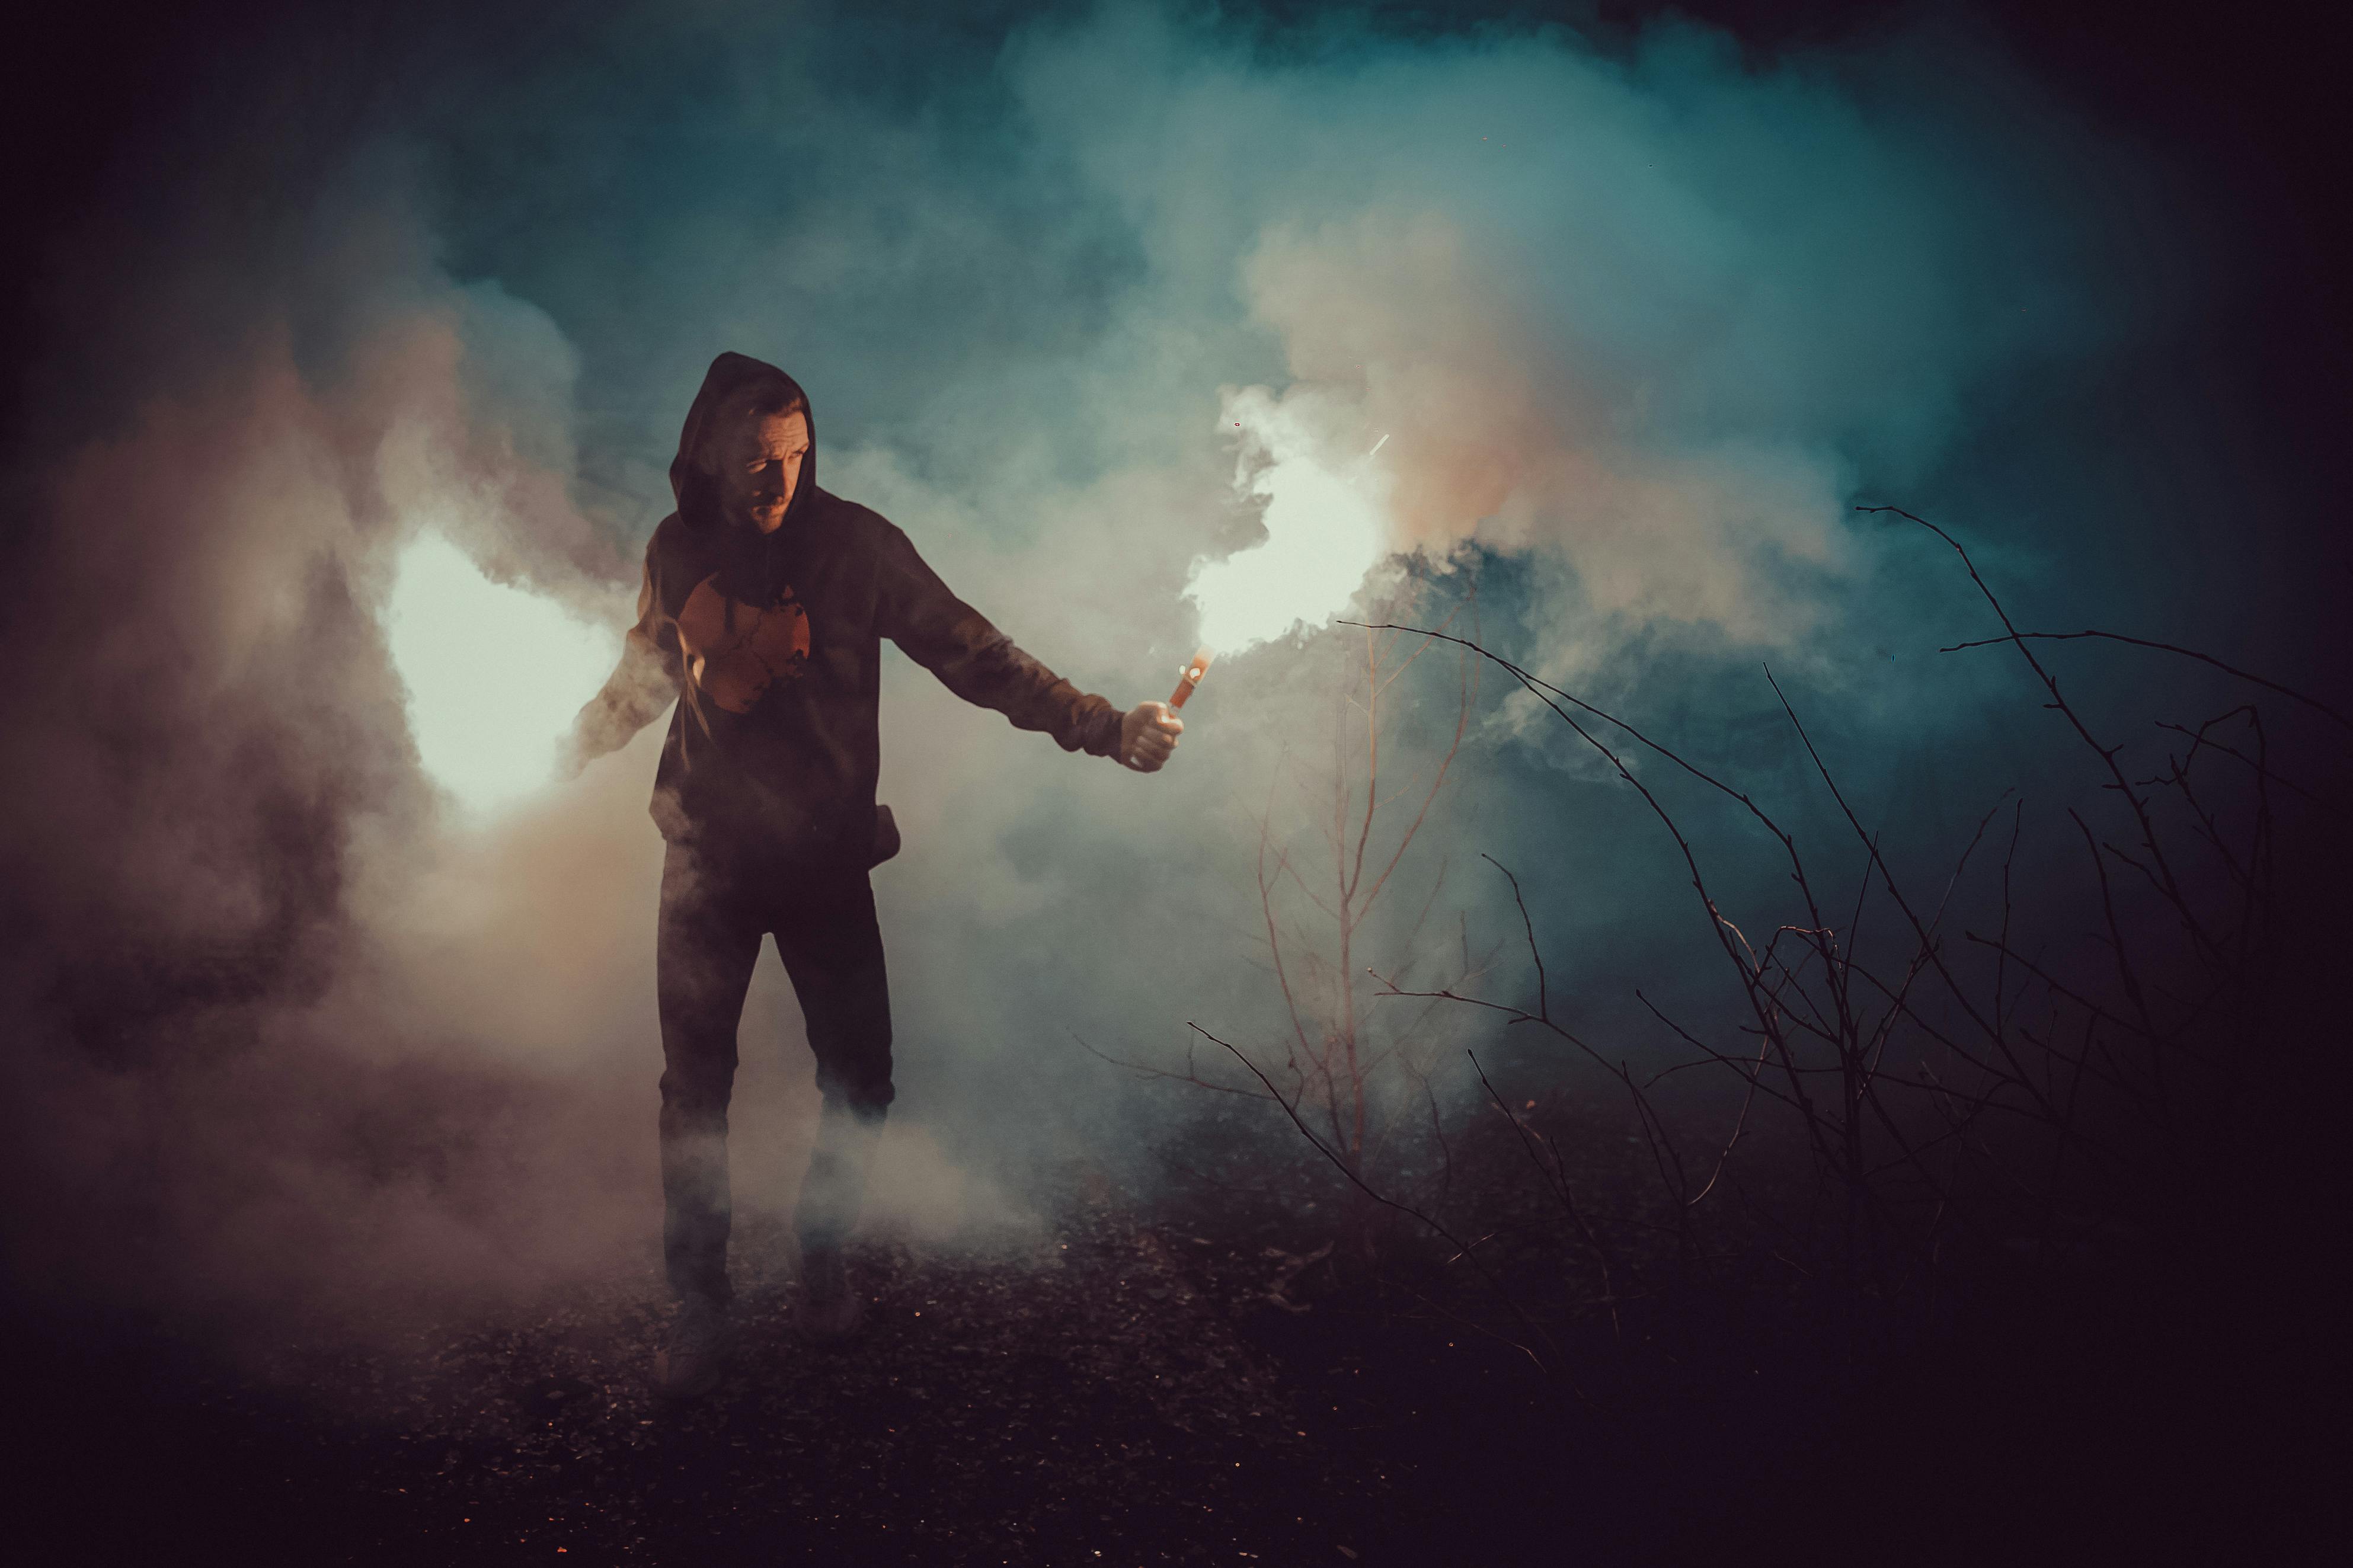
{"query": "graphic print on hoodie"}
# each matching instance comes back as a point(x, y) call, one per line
point(772, 646)
point(733, 651)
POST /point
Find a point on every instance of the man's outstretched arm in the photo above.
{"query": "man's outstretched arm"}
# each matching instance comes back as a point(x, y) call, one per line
point(981, 665)
point(642, 686)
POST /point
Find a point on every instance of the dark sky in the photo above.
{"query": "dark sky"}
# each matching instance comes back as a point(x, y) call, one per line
point(2249, 98)
point(108, 107)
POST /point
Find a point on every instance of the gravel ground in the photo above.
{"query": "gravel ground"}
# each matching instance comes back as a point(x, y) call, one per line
point(1117, 1388)
point(1069, 1395)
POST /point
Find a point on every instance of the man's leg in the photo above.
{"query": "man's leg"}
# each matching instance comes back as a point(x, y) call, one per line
point(832, 949)
point(704, 952)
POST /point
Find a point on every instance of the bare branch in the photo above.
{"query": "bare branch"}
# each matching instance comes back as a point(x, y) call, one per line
point(2247, 675)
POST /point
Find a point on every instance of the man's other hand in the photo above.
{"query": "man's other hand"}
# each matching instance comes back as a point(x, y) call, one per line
point(1147, 733)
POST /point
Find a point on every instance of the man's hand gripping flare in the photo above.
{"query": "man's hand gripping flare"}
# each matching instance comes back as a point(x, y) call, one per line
point(1147, 736)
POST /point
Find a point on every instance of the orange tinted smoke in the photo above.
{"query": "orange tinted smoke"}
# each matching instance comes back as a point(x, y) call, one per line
point(1194, 670)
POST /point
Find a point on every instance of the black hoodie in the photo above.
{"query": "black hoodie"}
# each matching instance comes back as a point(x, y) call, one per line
point(772, 644)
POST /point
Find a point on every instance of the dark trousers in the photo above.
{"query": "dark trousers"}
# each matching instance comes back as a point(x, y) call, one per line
point(715, 908)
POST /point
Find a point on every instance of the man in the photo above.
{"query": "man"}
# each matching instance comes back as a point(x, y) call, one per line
point(763, 606)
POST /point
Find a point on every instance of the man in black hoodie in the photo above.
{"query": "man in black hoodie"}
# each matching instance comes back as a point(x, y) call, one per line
point(763, 606)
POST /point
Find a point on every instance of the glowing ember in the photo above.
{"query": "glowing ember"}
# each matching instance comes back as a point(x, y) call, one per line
point(494, 673)
point(1327, 525)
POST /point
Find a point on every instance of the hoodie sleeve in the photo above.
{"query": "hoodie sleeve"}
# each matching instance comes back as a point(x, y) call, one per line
point(646, 681)
point(956, 642)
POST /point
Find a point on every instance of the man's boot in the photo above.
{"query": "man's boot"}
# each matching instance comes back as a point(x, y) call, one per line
point(695, 1355)
point(830, 1196)
point(829, 1309)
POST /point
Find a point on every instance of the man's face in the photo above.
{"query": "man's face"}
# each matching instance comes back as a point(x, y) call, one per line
point(757, 466)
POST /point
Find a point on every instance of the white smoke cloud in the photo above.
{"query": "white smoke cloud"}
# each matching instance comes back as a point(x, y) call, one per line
point(1651, 316)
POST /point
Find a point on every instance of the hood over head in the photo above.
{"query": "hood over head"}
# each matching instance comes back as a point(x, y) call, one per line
point(731, 383)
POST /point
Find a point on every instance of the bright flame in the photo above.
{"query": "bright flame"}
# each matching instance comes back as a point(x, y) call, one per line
point(1326, 527)
point(494, 673)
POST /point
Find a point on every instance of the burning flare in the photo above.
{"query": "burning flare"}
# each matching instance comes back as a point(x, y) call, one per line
point(494, 673)
point(1191, 676)
point(1327, 524)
